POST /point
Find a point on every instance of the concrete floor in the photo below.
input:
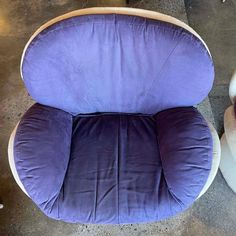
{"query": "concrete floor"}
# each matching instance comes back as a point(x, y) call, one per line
point(212, 214)
point(216, 23)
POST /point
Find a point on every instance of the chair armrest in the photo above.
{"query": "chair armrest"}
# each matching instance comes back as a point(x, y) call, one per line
point(41, 151)
point(186, 151)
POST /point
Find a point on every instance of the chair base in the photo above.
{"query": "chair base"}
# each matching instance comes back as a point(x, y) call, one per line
point(228, 164)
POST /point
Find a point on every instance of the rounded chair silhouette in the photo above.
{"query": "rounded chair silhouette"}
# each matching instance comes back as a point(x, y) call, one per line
point(114, 137)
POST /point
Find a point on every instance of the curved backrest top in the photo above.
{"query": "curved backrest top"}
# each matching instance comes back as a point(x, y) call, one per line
point(116, 60)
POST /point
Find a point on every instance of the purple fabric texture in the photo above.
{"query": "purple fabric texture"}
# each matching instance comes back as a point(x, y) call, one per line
point(108, 144)
point(110, 167)
point(42, 152)
point(117, 63)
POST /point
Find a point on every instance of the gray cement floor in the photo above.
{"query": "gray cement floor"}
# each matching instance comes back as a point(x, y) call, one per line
point(216, 23)
point(213, 214)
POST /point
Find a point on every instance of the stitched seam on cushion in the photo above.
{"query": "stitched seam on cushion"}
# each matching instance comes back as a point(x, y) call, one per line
point(95, 197)
point(118, 170)
point(161, 69)
point(62, 186)
point(171, 193)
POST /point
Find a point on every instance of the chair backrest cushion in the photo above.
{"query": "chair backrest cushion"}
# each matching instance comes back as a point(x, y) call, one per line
point(116, 63)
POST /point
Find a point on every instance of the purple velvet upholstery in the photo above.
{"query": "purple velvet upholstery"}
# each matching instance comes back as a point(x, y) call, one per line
point(117, 63)
point(112, 168)
point(111, 150)
point(42, 152)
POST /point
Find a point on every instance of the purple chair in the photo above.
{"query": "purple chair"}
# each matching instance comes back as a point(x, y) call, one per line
point(114, 137)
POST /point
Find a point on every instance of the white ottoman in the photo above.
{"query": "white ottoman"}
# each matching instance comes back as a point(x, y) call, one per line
point(228, 140)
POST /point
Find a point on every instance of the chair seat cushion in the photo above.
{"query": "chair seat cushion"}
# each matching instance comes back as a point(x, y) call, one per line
point(112, 168)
